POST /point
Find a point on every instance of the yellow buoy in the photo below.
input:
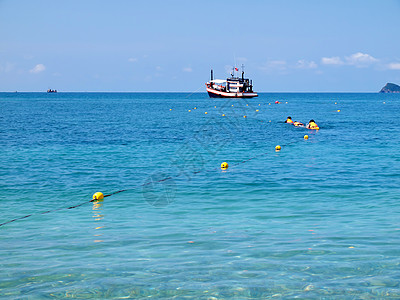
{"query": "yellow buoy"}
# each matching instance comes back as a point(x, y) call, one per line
point(98, 196)
point(189, 110)
point(232, 104)
point(206, 113)
point(224, 165)
point(259, 104)
point(257, 110)
point(306, 137)
point(247, 105)
point(223, 115)
point(195, 108)
point(215, 106)
point(338, 110)
point(170, 109)
point(244, 116)
point(335, 102)
point(278, 148)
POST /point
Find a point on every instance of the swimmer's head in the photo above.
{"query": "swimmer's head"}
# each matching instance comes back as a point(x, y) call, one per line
point(312, 121)
point(289, 118)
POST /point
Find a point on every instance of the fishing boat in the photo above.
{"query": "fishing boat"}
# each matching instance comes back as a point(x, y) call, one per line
point(51, 91)
point(233, 87)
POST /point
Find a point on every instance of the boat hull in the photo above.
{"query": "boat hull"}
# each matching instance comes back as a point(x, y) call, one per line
point(219, 94)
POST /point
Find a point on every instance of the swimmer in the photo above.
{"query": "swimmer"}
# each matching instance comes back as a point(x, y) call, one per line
point(289, 120)
point(312, 125)
point(298, 124)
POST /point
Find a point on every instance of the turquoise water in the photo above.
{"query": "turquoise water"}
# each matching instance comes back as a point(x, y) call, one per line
point(318, 219)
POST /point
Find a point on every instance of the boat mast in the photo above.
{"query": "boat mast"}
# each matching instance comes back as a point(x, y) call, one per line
point(212, 75)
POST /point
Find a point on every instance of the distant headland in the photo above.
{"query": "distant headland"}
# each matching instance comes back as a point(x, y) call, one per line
point(390, 88)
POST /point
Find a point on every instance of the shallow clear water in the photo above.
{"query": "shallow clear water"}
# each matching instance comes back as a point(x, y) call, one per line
point(319, 219)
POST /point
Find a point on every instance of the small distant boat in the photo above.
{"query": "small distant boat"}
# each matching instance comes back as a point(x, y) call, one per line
point(233, 87)
point(51, 91)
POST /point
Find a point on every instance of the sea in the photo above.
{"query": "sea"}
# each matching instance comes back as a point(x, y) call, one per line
point(318, 219)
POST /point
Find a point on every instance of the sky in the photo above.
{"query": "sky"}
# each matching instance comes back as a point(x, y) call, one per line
point(156, 46)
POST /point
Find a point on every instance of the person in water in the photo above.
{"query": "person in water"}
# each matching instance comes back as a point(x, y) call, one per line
point(289, 120)
point(312, 125)
point(296, 123)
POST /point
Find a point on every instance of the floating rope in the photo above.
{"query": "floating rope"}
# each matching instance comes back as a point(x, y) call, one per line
point(142, 185)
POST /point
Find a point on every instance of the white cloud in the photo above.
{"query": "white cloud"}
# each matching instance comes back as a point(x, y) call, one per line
point(158, 68)
point(360, 59)
point(38, 68)
point(187, 69)
point(132, 59)
point(336, 60)
point(393, 66)
point(304, 64)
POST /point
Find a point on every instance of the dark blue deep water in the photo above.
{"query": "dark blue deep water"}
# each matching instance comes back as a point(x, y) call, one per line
point(318, 219)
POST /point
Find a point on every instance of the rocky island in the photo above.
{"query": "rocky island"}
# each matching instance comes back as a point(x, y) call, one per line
point(390, 88)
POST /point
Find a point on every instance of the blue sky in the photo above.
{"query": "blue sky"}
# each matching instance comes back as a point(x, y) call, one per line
point(286, 46)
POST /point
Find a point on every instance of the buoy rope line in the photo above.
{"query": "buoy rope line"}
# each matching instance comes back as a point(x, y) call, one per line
point(224, 166)
point(61, 208)
point(83, 203)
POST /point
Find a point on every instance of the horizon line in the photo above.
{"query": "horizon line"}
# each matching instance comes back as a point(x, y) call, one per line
point(188, 92)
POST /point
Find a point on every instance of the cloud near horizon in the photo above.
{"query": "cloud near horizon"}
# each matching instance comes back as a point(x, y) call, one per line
point(187, 69)
point(304, 64)
point(393, 66)
point(358, 60)
point(336, 60)
point(38, 68)
point(284, 67)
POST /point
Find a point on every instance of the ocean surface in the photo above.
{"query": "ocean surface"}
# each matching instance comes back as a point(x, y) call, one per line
point(318, 219)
